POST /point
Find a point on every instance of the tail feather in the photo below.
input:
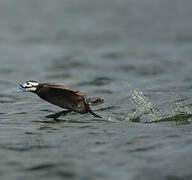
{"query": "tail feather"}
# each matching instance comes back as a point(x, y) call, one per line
point(95, 101)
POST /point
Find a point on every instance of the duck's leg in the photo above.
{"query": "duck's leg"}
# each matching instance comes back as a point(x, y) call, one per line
point(57, 115)
point(91, 112)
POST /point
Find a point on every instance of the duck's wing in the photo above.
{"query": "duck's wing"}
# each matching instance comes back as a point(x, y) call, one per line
point(62, 96)
point(63, 91)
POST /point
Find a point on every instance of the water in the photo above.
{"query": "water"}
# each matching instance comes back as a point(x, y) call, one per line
point(137, 55)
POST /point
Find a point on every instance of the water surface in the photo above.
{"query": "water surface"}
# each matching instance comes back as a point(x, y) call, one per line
point(137, 55)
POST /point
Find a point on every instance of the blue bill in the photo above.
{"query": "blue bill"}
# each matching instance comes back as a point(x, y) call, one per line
point(20, 90)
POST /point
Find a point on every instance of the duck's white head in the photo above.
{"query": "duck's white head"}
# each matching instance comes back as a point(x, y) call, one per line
point(29, 86)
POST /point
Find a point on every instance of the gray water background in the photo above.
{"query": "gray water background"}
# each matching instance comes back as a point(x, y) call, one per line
point(102, 48)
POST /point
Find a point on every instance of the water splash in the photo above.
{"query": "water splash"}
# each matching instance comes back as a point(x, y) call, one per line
point(147, 111)
point(143, 107)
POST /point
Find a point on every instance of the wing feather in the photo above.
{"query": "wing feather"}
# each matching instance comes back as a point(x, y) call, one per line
point(64, 89)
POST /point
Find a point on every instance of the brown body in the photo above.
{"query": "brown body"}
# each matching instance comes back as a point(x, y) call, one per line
point(66, 98)
point(63, 97)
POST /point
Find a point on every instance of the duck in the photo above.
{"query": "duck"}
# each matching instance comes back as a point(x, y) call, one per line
point(62, 96)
